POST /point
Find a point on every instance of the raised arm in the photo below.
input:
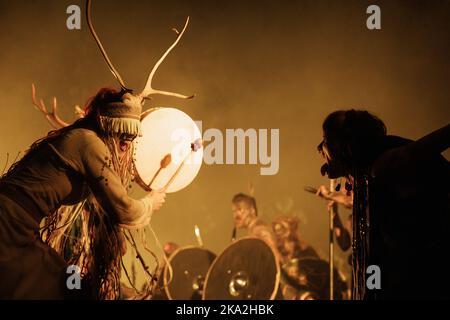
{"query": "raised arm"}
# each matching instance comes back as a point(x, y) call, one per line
point(436, 142)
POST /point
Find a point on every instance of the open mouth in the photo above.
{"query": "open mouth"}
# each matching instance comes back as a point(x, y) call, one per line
point(332, 169)
point(324, 169)
point(124, 145)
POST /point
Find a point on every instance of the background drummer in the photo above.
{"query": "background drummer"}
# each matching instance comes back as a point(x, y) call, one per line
point(245, 215)
point(289, 241)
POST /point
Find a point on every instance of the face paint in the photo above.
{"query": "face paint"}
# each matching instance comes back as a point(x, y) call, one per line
point(243, 214)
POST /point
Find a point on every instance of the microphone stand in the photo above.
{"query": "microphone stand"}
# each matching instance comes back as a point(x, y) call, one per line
point(332, 211)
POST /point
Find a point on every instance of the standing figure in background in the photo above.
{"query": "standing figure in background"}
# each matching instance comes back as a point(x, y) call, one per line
point(289, 241)
point(292, 249)
point(245, 215)
point(304, 274)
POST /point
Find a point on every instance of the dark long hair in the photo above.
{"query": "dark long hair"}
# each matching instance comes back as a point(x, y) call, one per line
point(353, 139)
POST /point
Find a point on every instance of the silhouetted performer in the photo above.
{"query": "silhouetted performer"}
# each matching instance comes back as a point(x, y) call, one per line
point(401, 207)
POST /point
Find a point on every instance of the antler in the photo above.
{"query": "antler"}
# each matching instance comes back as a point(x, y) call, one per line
point(55, 121)
point(80, 112)
point(148, 90)
point(100, 46)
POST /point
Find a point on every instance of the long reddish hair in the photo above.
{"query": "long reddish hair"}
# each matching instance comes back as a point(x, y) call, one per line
point(89, 121)
point(96, 247)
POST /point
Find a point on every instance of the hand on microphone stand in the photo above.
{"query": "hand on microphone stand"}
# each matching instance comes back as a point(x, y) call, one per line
point(339, 197)
point(344, 198)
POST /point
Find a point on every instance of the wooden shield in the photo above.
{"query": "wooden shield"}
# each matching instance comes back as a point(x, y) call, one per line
point(313, 275)
point(246, 270)
point(189, 265)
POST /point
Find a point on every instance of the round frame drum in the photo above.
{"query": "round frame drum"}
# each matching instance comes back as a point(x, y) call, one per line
point(246, 270)
point(168, 154)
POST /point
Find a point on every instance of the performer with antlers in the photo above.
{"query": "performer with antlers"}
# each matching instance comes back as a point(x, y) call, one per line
point(76, 178)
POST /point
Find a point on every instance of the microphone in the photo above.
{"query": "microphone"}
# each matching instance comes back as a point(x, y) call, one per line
point(310, 189)
point(314, 191)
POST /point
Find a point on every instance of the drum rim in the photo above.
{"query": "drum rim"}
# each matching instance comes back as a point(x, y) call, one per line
point(277, 265)
point(137, 177)
point(170, 258)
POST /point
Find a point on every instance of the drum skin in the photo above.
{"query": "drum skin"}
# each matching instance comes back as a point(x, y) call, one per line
point(190, 266)
point(167, 131)
point(246, 270)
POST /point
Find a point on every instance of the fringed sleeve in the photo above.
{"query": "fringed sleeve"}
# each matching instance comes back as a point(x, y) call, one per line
point(93, 160)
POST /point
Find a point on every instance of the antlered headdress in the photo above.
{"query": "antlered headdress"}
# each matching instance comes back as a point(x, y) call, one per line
point(124, 116)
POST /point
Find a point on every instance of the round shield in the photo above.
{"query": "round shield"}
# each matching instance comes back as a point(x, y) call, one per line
point(246, 270)
point(311, 276)
point(169, 152)
point(189, 265)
